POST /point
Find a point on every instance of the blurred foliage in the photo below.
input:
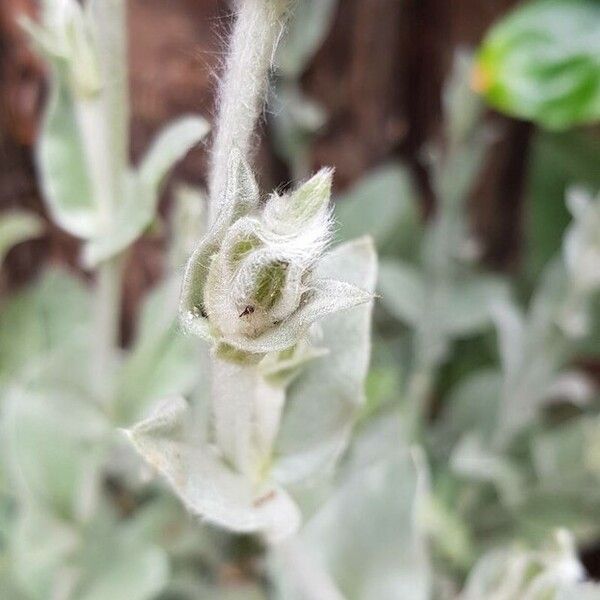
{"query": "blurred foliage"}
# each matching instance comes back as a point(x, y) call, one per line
point(541, 63)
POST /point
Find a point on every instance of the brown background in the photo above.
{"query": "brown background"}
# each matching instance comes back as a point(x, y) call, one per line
point(378, 74)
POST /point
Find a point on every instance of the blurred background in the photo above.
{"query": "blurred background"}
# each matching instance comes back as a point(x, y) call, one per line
point(377, 75)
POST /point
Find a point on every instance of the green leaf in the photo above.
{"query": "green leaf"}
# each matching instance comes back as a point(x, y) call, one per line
point(383, 205)
point(170, 442)
point(541, 63)
point(143, 188)
point(15, 227)
point(62, 166)
point(402, 290)
point(163, 362)
point(324, 401)
point(306, 31)
point(557, 161)
point(54, 444)
point(367, 541)
point(47, 318)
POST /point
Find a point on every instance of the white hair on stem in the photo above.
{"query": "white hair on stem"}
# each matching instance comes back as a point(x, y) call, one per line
point(258, 27)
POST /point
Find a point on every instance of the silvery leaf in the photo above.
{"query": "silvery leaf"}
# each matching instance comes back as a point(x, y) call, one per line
point(138, 210)
point(122, 569)
point(169, 147)
point(510, 326)
point(468, 305)
point(62, 167)
point(473, 460)
point(207, 486)
point(41, 546)
point(322, 404)
point(17, 226)
point(54, 442)
point(367, 540)
point(472, 405)
point(326, 296)
point(531, 574)
point(383, 204)
point(46, 318)
point(163, 361)
point(402, 290)
point(240, 197)
point(307, 29)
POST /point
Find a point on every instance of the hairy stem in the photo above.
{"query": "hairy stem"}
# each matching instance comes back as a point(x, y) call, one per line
point(108, 316)
point(258, 26)
point(246, 411)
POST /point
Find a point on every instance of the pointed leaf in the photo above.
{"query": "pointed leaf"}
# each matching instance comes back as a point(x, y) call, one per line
point(62, 167)
point(323, 402)
point(367, 541)
point(402, 290)
point(17, 226)
point(206, 485)
point(169, 147)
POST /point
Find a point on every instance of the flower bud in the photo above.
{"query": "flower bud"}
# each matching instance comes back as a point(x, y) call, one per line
point(251, 282)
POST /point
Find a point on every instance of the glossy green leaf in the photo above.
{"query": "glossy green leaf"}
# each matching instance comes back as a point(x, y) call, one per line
point(541, 63)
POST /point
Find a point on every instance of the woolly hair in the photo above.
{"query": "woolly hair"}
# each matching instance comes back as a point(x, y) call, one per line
point(258, 27)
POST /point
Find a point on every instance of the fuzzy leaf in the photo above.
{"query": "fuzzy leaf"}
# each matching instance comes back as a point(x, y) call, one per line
point(143, 189)
point(125, 570)
point(474, 460)
point(40, 548)
point(308, 26)
point(383, 205)
point(206, 485)
point(169, 147)
point(469, 304)
point(49, 316)
point(241, 196)
point(367, 541)
point(62, 167)
point(15, 227)
point(54, 443)
point(402, 290)
point(323, 402)
point(473, 405)
point(163, 361)
point(327, 296)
